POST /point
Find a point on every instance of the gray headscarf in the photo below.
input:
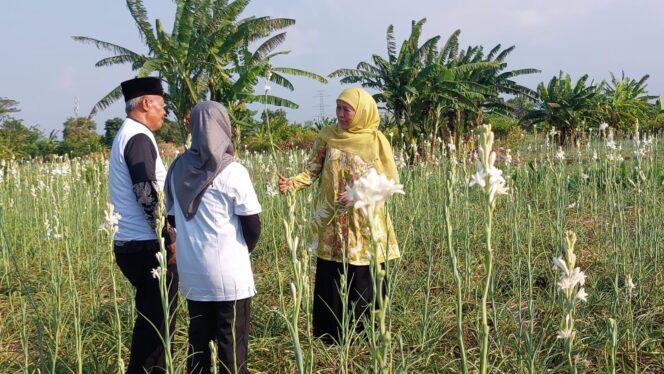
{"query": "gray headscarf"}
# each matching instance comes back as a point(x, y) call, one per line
point(210, 152)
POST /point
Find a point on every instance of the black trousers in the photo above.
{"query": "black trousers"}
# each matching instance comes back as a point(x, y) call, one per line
point(328, 307)
point(219, 320)
point(147, 350)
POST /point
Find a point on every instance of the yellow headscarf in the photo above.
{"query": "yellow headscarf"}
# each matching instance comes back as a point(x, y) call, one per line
point(363, 137)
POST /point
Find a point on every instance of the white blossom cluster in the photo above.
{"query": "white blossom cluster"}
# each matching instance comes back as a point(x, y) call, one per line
point(371, 190)
point(570, 283)
point(487, 176)
point(271, 189)
point(111, 219)
point(52, 231)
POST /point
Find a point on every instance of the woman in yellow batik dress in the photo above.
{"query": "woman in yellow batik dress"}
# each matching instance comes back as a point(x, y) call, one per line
point(342, 154)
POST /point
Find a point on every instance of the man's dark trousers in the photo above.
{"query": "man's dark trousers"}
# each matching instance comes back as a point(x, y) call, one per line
point(136, 260)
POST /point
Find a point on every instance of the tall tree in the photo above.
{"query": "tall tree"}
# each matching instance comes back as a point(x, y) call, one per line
point(17, 139)
point(520, 106)
point(201, 56)
point(7, 106)
point(626, 101)
point(430, 91)
point(111, 127)
point(394, 76)
point(80, 137)
point(496, 79)
point(565, 106)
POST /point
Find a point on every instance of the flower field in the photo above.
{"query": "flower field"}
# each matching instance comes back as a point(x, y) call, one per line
point(571, 240)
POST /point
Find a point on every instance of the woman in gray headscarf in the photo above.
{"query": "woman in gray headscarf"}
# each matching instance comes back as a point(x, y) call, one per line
point(216, 216)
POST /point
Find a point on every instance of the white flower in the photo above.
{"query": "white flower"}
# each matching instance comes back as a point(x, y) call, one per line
point(603, 126)
point(485, 169)
point(611, 144)
point(578, 276)
point(565, 284)
point(559, 262)
point(560, 154)
point(111, 219)
point(271, 190)
point(479, 178)
point(566, 334)
point(267, 87)
point(451, 147)
point(629, 283)
point(585, 176)
point(497, 188)
point(156, 272)
point(582, 295)
point(160, 257)
point(371, 190)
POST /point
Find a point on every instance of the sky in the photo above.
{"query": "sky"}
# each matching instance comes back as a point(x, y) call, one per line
point(54, 77)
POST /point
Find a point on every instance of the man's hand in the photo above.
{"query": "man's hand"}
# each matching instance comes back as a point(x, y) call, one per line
point(169, 233)
point(170, 254)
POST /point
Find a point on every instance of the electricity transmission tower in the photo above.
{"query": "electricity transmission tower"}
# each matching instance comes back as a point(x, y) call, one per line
point(321, 104)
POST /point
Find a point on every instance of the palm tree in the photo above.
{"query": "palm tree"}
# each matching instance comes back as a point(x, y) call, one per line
point(200, 56)
point(394, 77)
point(435, 92)
point(7, 106)
point(497, 80)
point(565, 106)
point(626, 102)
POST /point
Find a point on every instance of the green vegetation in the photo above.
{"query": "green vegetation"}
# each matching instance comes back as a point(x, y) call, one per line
point(67, 308)
point(206, 55)
point(475, 289)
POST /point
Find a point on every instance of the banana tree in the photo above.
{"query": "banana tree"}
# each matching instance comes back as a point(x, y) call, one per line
point(199, 57)
point(565, 106)
point(626, 102)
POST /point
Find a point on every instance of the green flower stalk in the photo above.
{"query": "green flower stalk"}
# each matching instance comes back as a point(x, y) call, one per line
point(367, 194)
point(453, 257)
point(160, 274)
point(299, 288)
point(490, 179)
point(570, 285)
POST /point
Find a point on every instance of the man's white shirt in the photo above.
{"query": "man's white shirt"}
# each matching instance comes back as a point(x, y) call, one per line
point(132, 224)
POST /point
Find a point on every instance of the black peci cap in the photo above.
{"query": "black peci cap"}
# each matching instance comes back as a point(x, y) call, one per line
point(136, 87)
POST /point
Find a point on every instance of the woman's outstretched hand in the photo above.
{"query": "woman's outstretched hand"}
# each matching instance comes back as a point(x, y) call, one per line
point(343, 198)
point(284, 184)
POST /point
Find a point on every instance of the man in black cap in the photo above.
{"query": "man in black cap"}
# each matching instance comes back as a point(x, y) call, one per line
point(136, 174)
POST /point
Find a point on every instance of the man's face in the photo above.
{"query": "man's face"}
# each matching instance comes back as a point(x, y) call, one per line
point(155, 112)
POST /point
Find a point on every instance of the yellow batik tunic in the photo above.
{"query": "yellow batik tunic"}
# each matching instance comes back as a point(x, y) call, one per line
point(336, 227)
